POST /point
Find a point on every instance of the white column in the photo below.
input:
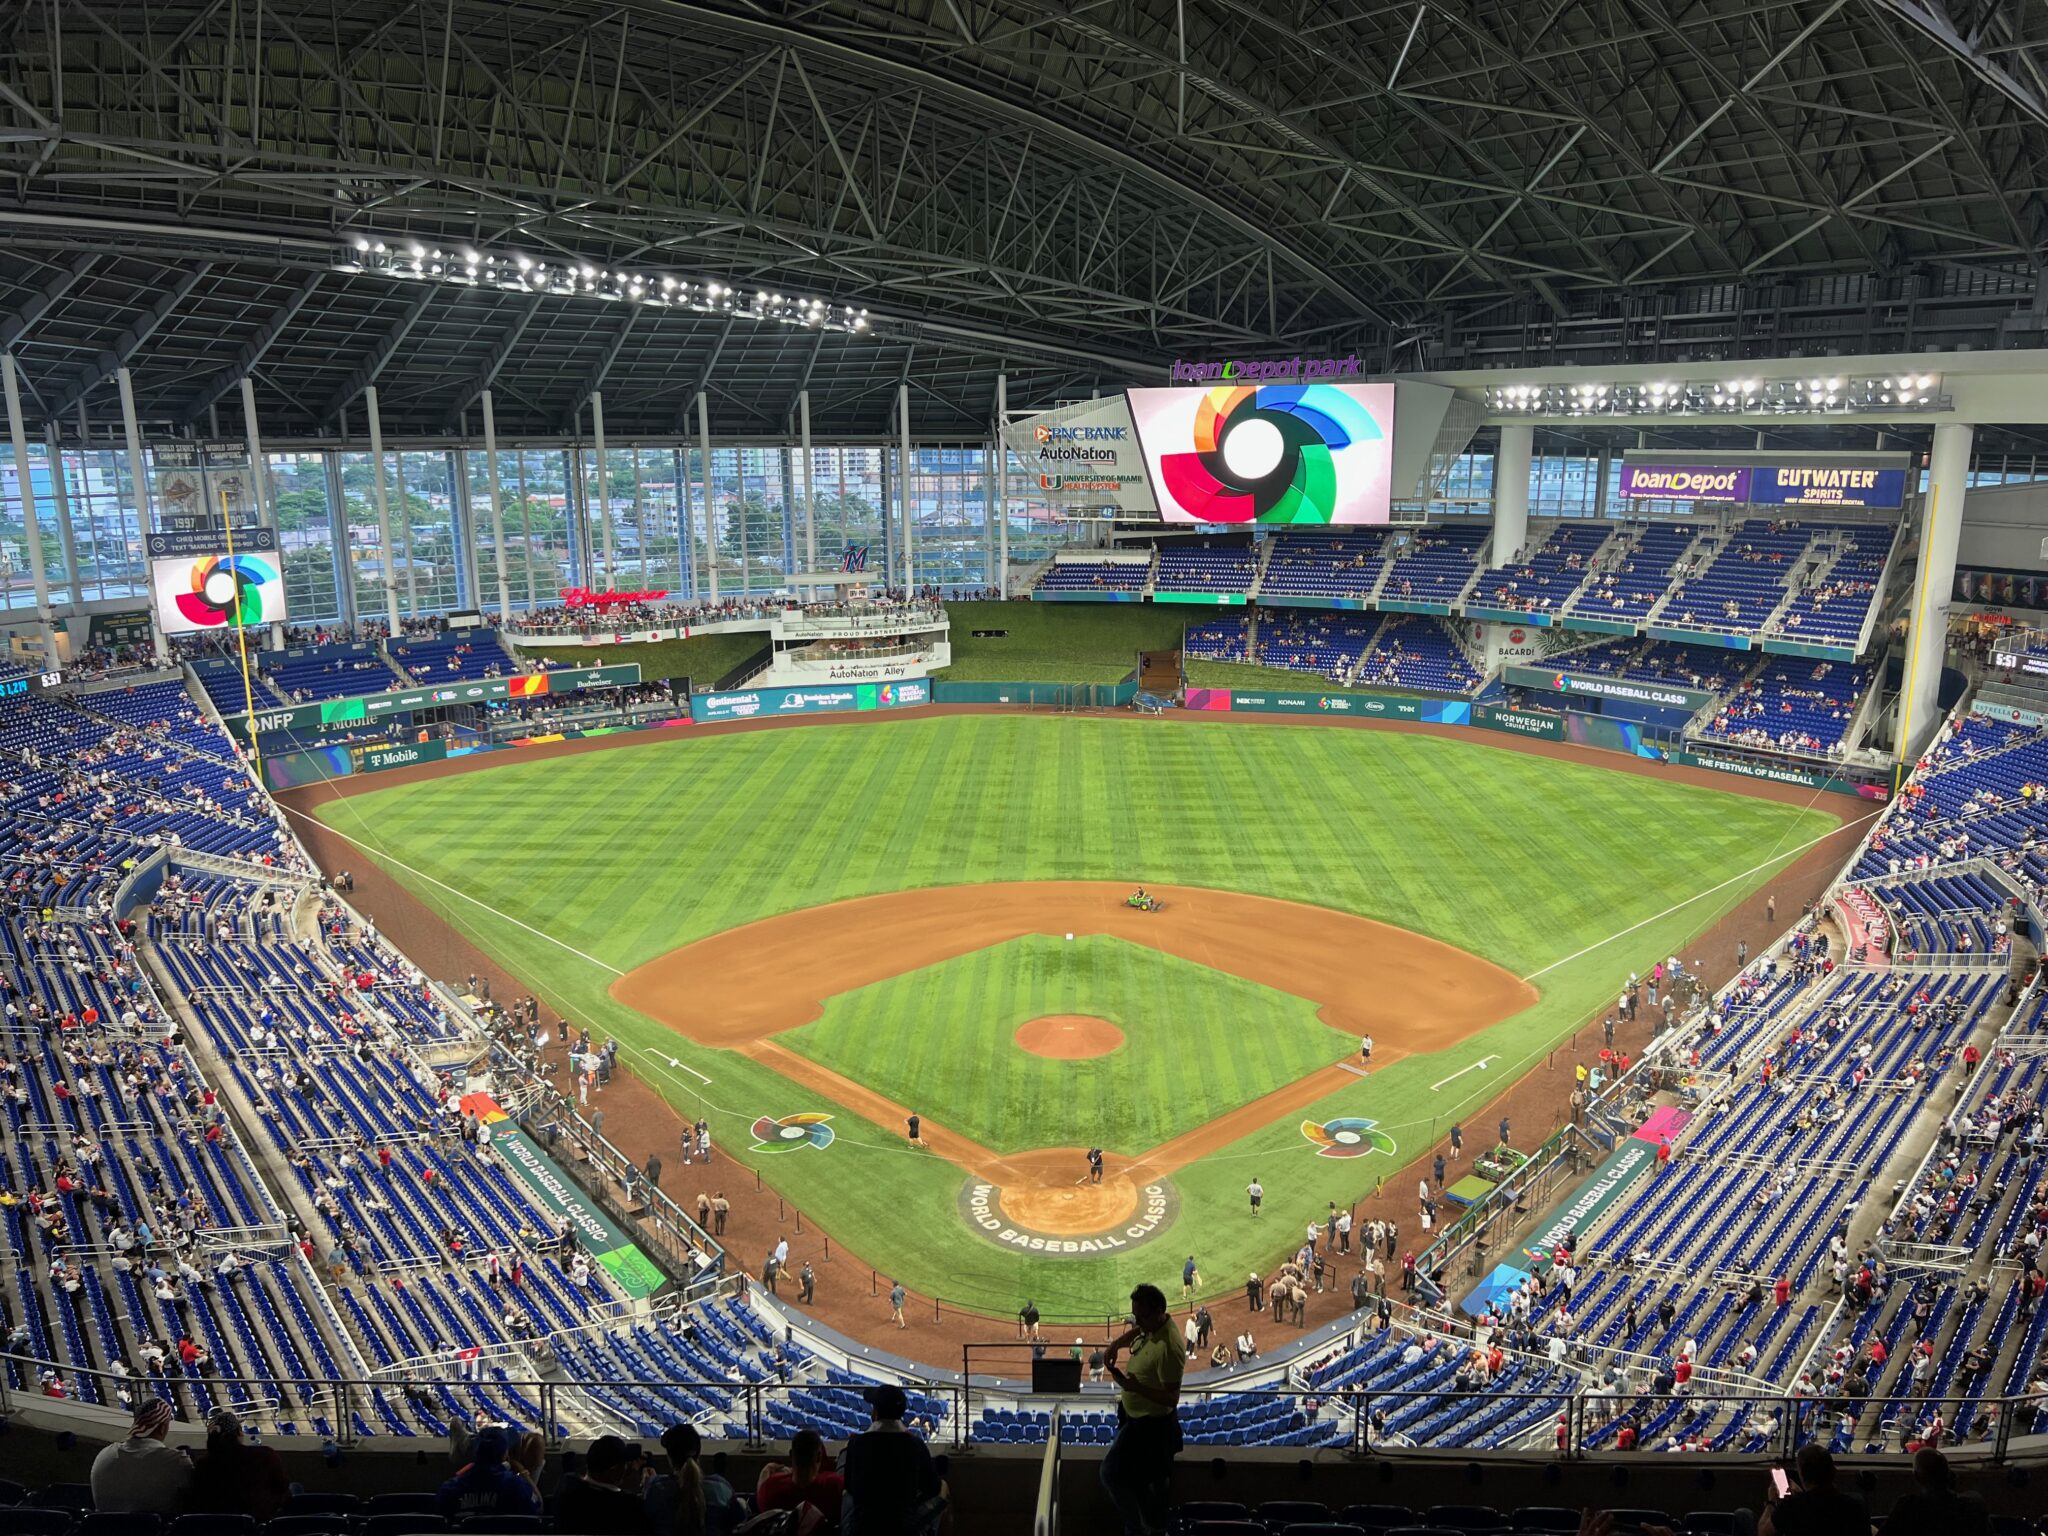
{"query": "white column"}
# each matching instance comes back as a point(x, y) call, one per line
point(32, 532)
point(1000, 491)
point(1934, 578)
point(384, 546)
point(138, 471)
point(604, 487)
point(525, 526)
point(259, 489)
point(909, 561)
point(60, 495)
point(803, 427)
point(497, 508)
point(1511, 491)
point(710, 499)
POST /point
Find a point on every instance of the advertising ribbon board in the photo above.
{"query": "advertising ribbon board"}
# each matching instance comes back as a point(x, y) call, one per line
point(1518, 722)
point(1607, 1184)
point(377, 759)
point(1828, 486)
point(1667, 695)
point(557, 1193)
point(766, 703)
point(378, 706)
point(1685, 482)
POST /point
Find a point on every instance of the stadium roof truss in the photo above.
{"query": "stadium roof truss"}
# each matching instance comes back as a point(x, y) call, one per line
point(1075, 193)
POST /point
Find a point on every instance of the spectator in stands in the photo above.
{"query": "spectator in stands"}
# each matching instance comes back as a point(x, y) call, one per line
point(488, 1484)
point(607, 1499)
point(142, 1475)
point(235, 1477)
point(806, 1480)
point(1815, 1506)
point(686, 1500)
point(891, 1487)
point(1138, 1470)
point(1936, 1507)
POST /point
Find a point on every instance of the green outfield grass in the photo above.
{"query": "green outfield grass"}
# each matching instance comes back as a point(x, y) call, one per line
point(1183, 1061)
point(574, 870)
point(1063, 642)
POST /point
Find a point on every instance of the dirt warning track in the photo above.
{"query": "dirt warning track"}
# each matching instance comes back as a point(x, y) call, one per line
point(740, 988)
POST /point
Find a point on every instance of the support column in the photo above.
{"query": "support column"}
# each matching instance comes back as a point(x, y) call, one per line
point(339, 564)
point(604, 487)
point(710, 495)
point(384, 545)
point(497, 509)
point(259, 489)
point(31, 526)
point(1511, 491)
point(788, 511)
point(469, 580)
point(803, 427)
point(138, 471)
point(1934, 578)
point(1000, 491)
point(60, 497)
point(903, 476)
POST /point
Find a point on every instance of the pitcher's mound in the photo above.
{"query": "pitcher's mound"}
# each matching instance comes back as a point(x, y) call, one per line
point(1069, 1036)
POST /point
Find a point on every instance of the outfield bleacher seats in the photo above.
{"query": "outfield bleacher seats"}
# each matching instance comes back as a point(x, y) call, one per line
point(465, 655)
point(1206, 567)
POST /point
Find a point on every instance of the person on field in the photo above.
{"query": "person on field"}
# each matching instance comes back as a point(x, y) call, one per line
point(916, 1129)
point(896, 1294)
point(1190, 1277)
point(1257, 1192)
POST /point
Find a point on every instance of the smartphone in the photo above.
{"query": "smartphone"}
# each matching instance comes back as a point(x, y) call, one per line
point(1780, 1483)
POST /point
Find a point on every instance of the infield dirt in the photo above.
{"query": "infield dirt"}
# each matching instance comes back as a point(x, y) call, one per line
point(640, 1121)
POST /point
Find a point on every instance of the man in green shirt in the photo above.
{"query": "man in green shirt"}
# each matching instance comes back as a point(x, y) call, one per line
point(1138, 1471)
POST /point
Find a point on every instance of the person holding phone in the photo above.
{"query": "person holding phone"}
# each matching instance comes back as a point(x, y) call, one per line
point(1806, 1501)
point(1138, 1470)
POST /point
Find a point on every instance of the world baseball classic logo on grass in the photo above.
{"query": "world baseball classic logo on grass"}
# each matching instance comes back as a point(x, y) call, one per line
point(791, 1132)
point(1349, 1137)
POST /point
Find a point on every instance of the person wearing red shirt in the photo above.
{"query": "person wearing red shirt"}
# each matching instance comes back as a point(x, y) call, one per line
point(805, 1481)
point(1781, 1292)
point(1663, 1154)
point(1681, 1373)
point(1878, 1353)
point(1625, 1437)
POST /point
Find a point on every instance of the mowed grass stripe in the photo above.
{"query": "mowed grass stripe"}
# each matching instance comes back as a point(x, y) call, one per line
point(1197, 1043)
point(1523, 859)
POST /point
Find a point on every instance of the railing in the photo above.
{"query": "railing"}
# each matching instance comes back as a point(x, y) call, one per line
point(1045, 1519)
point(1571, 1421)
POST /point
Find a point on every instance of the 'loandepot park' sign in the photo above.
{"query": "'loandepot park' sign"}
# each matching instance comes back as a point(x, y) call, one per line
point(1664, 695)
point(381, 706)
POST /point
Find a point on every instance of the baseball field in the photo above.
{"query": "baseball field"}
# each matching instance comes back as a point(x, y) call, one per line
point(807, 933)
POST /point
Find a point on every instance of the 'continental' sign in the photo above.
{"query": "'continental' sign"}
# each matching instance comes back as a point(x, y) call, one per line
point(1664, 695)
point(380, 706)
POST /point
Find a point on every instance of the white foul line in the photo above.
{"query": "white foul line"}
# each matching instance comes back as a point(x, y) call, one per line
point(1477, 1066)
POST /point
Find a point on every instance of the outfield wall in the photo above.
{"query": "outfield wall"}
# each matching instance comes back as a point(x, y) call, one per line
point(306, 767)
